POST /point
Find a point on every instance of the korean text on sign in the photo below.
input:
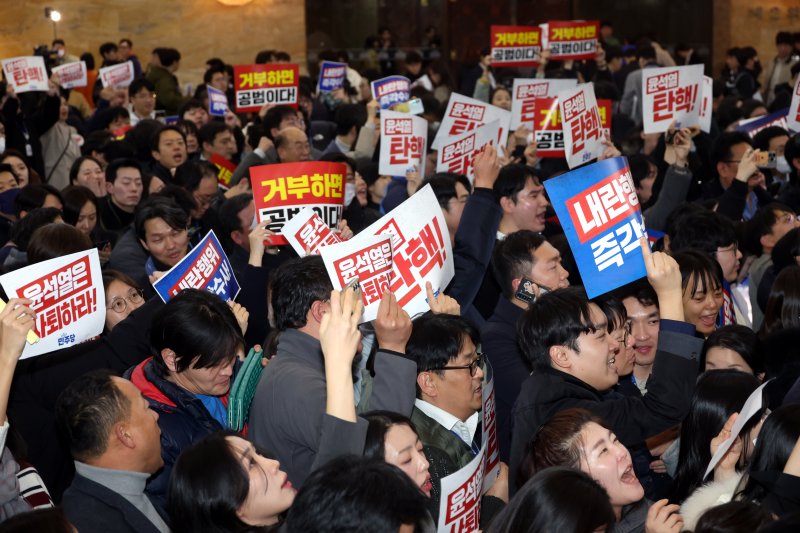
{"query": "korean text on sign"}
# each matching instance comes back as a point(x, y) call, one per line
point(281, 191)
point(600, 213)
point(573, 39)
point(458, 153)
point(404, 143)
point(489, 435)
point(67, 296)
point(460, 503)
point(516, 46)
point(217, 102)
point(548, 133)
point(524, 94)
point(466, 114)
point(672, 93)
point(366, 257)
point(71, 75)
point(257, 85)
point(331, 76)
point(793, 116)
point(390, 91)
point(307, 233)
point(26, 74)
point(117, 76)
point(582, 125)
point(204, 267)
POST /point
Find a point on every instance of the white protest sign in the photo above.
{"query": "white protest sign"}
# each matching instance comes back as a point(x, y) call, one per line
point(489, 425)
point(793, 118)
point(306, 230)
point(460, 502)
point(366, 257)
point(26, 74)
point(457, 153)
point(525, 93)
point(708, 103)
point(404, 140)
point(117, 76)
point(752, 406)
point(581, 124)
point(68, 298)
point(671, 93)
point(466, 114)
point(71, 75)
point(421, 249)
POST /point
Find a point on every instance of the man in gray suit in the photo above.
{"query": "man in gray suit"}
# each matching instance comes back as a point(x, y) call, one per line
point(631, 103)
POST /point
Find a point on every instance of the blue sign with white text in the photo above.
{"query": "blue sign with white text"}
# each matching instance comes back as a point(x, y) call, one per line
point(390, 91)
point(331, 76)
point(217, 102)
point(600, 213)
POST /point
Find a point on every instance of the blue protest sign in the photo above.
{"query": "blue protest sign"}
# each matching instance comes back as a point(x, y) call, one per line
point(391, 90)
point(331, 76)
point(600, 213)
point(778, 118)
point(217, 102)
point(205, 267)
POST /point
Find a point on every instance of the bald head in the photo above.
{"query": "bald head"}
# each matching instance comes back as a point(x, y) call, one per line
point(292, 145)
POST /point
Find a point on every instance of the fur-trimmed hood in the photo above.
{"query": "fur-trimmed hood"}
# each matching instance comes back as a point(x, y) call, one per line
point(709, 495)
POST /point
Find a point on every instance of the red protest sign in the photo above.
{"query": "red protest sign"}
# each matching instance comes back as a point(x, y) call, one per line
point(281, 191)
point(371, 264)
point(516, 46)
point(603, 205)
point(257, 85)
point(548, 133)
point(225, 169)
point(574, 39)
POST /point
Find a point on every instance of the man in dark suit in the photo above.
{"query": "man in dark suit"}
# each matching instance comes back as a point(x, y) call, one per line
point(113, 436)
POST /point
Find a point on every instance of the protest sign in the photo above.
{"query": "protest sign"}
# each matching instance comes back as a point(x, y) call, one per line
point(573, 39)
point(421, 249)
point(793, 117)
point(68, 297)
point(71, 75)
point(26, 74)
point(257, 85)
point(671, 93)
point(707, 105)
point(307, 231)
point(516, 46)
point(390, 91)
point(524, 94)
point(601, 217)
point(754, 125)
point(205, 267)
point(460, 502)
point(466, 114)
point(117, 76)
point(491, 467)
point(225, 170)
point(582, 125)
point(281, 191)
point(404, 141)
point(548, 133)
point(217, 102)
point(366, 257)
point(457, 153)
point(331, 76)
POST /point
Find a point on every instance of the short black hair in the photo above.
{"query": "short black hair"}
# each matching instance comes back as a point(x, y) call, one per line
point(276, 115)
point(784, 37)
point(512, 179)
point(641, 290)
point(114, 166)
point(339, 157)
point(115, 113)
point(208, 133)
point(700, 269)
point(763, 137)
point(558, 318)
point(199, 327)
point(33, 196)
point(702, 230)
point(613, 309)
point(229, 212)
point(356, 494)
point(56, 240)
point(646, 51)
point(76, 167)
point(413, 58)
point(210, 71)
point(760, 224)
point(190, 104)
point(167, 56)
point(721, 150)
point(74, 198)
point(86, 411)
point(349, 116)
point(296, 284)
point(741, 340)
point(513, 258)
point(138, 84)
point(443, 185)
point(156, 139)
point(265, 56)
point(163, 208)
point(107, 47)
point(639, 165)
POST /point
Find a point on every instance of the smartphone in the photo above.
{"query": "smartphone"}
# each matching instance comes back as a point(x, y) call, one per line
point(525, 291)
point(767, 160)
point(102, 245)
point(669, 136)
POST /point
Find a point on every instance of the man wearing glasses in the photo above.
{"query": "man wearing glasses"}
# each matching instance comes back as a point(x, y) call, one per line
point(449, 396)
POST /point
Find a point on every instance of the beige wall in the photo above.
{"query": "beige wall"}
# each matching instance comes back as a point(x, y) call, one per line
point(200, 29)
point(754, 23)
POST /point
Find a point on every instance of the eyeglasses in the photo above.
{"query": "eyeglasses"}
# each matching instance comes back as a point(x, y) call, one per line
point(734, 248)
point(473, 366)
point(119, 305)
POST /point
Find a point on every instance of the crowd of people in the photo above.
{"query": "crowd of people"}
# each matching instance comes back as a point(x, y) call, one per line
point(608, 410)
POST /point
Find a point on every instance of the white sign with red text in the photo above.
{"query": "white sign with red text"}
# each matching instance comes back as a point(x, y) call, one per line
point(71, 75)
point(457, 153)
point(68, 298)
point(366, 257)
point(26, 74)
point(460, 503)
point(671, 93)
point(525, 93)
point(489, 425)
point(707, 105)
point(793, 118)
point(421, 249)
point(581, 124)
point(307, 231)
point(117, 76)
point(404, 140)
point(466, 114)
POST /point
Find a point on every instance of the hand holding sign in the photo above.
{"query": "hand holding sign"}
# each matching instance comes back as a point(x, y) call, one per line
point(727, 465)
point(338, 330)
point(257, 236)
point(664, 275)
point(16, 321)
point(242, 315)
point(486, 167)
point(392, 325)
point(441, 304)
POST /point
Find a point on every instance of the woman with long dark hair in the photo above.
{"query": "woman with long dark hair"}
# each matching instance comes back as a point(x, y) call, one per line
point(783, 304)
